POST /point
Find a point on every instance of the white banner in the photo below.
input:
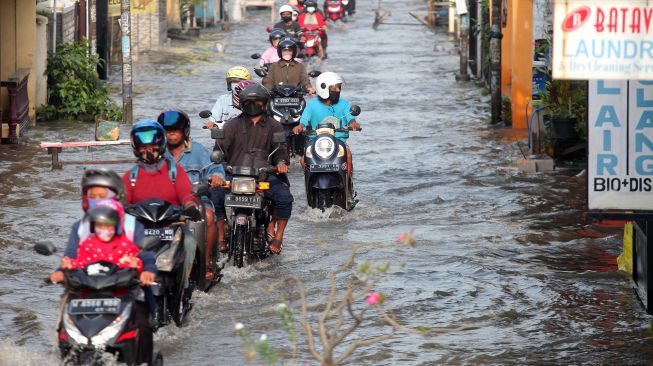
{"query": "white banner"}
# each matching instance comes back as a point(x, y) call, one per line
point(603, 39)
point(620, 162)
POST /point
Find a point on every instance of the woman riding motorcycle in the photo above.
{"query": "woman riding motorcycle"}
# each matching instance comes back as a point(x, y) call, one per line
point(287, 70)
point(312, 18)
point(270, 55)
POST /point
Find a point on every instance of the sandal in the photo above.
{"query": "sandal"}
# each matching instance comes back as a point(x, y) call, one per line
point(222, 246)
point(275, 246)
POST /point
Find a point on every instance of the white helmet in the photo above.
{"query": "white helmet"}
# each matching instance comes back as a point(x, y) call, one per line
point(285, 9)
point(324, 81)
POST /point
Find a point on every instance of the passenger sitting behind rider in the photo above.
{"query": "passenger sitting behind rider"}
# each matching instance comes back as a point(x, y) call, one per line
point(287, 71)
point(329, 103)
point(248, 142)
point(223, 109)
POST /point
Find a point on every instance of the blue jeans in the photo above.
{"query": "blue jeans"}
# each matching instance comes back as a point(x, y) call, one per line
point(279, 193)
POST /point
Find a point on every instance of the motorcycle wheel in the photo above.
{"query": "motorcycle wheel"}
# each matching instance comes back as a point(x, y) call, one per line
point(157, 358)
point(178, 311)
point(324, 199)
point(239, 247)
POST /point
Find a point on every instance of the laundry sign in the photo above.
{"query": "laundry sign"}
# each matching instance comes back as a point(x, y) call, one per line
point(620, 161)
point(603, 39)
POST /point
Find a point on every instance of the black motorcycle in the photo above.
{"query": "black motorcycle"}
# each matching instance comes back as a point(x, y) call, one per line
point(286, 106)
point(98, 314)
point(325, 168)
point(175, 254)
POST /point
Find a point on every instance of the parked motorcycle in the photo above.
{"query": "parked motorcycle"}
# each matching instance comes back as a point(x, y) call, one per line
point(98, 314)
point(175, 254)
point(335, 10)
point(325, 168)
point(248, 211)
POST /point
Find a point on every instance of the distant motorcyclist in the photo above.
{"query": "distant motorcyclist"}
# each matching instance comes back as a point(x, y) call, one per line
point(288, 24)
point(287, 71)
point(329, 103)
point(223, 110)
point(196, 161)
point(271, 55)
point(312, 17)
point(248, 141)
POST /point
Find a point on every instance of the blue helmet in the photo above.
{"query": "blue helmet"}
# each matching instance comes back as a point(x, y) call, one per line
point(148, 132)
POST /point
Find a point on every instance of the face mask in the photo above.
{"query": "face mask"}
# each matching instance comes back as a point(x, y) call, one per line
point(334, 97)
point(286, 19)
point(149, 157)
point(105, 234)
point(252, 109)
point(310, 9)
point(286, 55)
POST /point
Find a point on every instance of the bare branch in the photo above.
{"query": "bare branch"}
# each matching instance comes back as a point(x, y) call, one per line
point(304, 319)
point(362, 343)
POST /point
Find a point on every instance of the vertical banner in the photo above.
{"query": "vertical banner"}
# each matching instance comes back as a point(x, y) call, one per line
point(620, 162)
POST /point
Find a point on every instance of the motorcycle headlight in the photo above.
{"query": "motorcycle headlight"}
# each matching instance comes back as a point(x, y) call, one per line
point(324, 147)
point(72, 330)
point(166, 260)
point(243, 185)
point(112, 330)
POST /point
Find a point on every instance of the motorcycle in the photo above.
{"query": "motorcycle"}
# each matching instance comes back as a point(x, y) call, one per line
point(335, 10)
point(286, 106)
point(98, 314)
point(313, 44)
point(175, 255)
point(325, 168)
point(248, 211)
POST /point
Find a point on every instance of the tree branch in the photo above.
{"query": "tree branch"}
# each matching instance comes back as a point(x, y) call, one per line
point(362, 343)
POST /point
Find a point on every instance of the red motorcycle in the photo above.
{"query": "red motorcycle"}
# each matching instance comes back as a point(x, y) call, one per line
point(334, 10)
point(313, 43)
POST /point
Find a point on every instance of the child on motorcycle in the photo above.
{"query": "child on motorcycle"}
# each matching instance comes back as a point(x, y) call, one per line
point(223, 109)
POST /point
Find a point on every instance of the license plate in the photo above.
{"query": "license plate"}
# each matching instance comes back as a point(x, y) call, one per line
point(163, 234)
point(334, 9)
point(325, 167)
point(94, 306)
point(310, 43)
point(286, 102)
point(243, 201)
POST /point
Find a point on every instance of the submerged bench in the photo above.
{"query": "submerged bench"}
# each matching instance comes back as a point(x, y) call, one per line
point(54, 148)
point(264, 3)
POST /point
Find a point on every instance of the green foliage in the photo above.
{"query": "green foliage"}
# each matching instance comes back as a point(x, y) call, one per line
point(76, 91)
point(566, 99)
point(506, 110)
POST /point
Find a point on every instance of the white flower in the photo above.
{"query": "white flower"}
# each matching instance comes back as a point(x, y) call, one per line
point(239, 326)
point(264, 337)
point(281, 306)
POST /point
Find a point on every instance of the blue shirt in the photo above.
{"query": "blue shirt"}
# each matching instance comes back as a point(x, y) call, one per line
point(315, 111)
point(196, 161)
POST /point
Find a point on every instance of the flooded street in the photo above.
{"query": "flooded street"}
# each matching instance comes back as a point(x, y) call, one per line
point(496, 249)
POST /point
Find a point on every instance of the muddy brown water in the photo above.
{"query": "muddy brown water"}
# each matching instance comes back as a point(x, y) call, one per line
point(495, 249)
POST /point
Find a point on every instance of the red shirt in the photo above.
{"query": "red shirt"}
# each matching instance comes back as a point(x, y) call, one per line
point(93, 249)
point(158, 185)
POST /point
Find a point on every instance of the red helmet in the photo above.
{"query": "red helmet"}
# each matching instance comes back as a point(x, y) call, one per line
point(235, 93)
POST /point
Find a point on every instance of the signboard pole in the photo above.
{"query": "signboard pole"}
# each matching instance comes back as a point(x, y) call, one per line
point(495, 65)
point(125, 24)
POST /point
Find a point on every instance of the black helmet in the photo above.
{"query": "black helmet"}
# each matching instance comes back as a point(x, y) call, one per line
point(254, 92)
point(309, 3)
point(175, 120)
point(101, 177)
point(148, 132)
point(287, 44)
point(105, 215)
point(277, 34)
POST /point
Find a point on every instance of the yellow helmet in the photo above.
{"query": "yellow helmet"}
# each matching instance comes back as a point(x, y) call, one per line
point(238, 72)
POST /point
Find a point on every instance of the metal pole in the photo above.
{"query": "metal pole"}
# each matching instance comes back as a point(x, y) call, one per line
point(54, 26)
point(125, 24)
point(495, 66)
point(464, 48)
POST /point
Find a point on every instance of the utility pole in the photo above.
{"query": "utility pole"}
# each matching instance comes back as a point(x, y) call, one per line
point(461, 6)
point(495, 56)
point(125, 25)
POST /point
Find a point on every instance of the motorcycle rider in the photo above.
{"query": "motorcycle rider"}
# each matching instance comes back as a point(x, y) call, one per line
point(223, 109)
point(313, 16)
point(329, 103)
point(196, 161)
point(287, 70)
point(288, 24)
point(270, 55)
point(101, 184)
point(247, 139)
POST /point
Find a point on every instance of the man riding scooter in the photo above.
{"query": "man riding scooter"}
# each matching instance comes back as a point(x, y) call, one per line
point(196, 161)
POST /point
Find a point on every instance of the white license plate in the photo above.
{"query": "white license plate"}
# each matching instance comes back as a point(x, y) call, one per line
point(325, 167)
point(231, 200)
point(94, 306)
point(163, 233)
point(286, 101)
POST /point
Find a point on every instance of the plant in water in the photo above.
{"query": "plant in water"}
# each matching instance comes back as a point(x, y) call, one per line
point(76, 91)
point(339, 317)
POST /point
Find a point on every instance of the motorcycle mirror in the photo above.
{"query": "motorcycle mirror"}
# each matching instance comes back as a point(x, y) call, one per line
point(45, 248)
point(260, 72)
point(269, 28)
point(217, 156)
point(255, 56)
point(217, 133)
point(205, 114)
point(314, 73)
point(200, 189)
point(355, 110)
point(149, 242)
point(278, 137)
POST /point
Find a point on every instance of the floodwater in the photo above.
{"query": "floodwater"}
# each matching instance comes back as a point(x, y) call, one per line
point(499, 253)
